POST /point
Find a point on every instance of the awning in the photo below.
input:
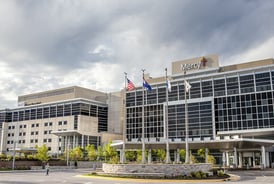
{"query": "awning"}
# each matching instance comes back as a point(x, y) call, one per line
point(222, 144)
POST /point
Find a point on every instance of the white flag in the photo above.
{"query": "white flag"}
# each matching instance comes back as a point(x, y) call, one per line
point(187, 86)
point(168, 85)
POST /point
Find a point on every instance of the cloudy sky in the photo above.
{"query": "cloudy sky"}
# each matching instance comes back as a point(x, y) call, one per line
point(50, 44)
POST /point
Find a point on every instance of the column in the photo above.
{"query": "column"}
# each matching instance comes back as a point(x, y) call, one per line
point(149, 156)
point(206, 155)
point(178, 156)
point(263, 163)
point(224, 159)
point(227, 158)
point(82, 143)
point(240, 160)
point(73, 141)
point(235, 160)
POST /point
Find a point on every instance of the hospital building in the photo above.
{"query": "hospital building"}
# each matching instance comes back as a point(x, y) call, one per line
point(229, 111)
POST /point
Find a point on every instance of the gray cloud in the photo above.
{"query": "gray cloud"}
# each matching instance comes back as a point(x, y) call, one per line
point(49, 44)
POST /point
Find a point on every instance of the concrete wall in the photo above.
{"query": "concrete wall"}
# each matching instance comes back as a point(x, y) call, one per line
point(166, 169)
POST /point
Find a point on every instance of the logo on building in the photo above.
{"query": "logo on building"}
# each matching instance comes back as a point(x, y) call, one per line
point(194, 66)
point(203, 61)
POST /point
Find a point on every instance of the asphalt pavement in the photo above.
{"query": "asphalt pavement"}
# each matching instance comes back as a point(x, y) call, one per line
point(76, 176)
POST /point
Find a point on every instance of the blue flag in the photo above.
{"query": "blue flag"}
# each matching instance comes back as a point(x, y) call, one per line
point(146, 85)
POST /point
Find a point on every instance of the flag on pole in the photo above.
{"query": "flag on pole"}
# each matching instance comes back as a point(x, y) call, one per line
point(130, 85)
point(146, 85)
point(187, 86)
point(168, 85)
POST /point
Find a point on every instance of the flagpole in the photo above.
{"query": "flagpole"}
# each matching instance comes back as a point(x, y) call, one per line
point(186, 123)
point(166, 124)
point(123, 158)
point(143, 124)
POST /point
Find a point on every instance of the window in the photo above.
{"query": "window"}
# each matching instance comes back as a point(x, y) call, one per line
point(60, 123)
point(37, 124)
point(65, 122)
point(50, 123)
point(45, 132)
point(46, 124)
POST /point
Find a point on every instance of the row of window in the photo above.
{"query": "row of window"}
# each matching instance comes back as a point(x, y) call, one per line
point(211, 88)
point(250, 111)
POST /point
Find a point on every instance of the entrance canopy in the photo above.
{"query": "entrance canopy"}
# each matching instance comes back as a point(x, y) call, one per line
point(240, 143)
point(65, 132)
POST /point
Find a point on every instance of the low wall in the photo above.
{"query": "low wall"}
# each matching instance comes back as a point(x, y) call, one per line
point(163, 169)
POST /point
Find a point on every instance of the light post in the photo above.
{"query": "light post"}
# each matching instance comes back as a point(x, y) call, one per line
point(13, 155)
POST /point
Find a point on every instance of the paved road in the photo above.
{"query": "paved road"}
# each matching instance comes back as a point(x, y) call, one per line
point(75, 177)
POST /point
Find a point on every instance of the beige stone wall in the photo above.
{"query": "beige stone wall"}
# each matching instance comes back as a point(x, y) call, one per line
point(106, 137)
point(62, 94)
point(115, 112)
point(88, 125)
point(166, 169)
point(41, 128)
point(252, 64)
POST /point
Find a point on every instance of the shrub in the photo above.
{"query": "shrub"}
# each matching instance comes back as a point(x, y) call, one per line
point(192, 174)
point(220, 173)
point(198, 174)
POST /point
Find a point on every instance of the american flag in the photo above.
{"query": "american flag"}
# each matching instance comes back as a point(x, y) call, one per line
point(130, 85)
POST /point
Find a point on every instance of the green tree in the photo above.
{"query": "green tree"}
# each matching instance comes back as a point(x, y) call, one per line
point(77, 153)
point(100, 153)
point(109, 151)
point(131, 156)
point(160, 154)
point(202, 153)
point(183, 154)
point(91, 152)
point(42, 153)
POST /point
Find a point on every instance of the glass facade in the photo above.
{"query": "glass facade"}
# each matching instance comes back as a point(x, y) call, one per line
point(238, 101)
point(58, 110)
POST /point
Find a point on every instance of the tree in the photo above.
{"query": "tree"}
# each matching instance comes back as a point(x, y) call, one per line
point(42, 153)
point(109, 151)
point(91, 152)
point(160, 154)
point(99, 153)
point(183, 154)
point(210, 158)
point(77, 153)
point(131, 156)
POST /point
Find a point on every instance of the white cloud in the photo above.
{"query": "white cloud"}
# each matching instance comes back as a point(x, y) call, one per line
point(261, 51)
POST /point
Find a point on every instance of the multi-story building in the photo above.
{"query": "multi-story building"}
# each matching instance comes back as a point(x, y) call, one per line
point(229, 111)
point(60, 119)
point(229, 108)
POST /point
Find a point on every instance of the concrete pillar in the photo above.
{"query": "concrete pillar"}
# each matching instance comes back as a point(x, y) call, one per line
point(224, 159)
point(73, 141)
point(227, 158)
point(253, 163)
point(267, 161)
point(263, 160)
point(178, 156)
point(149, 157)
point(82, 142)
point(235, 160)
point(240, 160)
point(206, 155)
